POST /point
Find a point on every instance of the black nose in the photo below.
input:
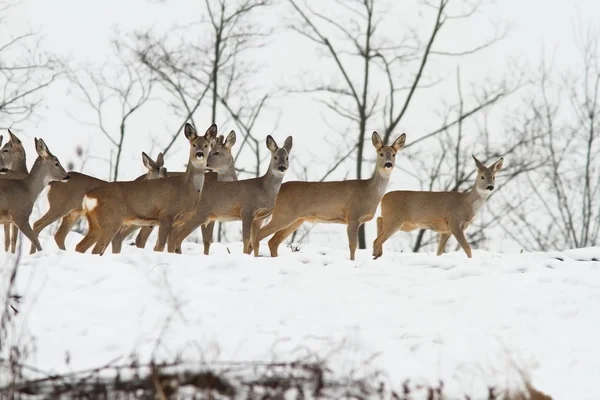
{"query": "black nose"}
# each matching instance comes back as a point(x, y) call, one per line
point(490, 187)
point(67, 177)
point(282, 168)
point(200, 154)
point(3, 170)
point(388, 164)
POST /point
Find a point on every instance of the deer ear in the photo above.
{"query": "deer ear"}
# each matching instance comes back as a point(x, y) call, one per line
point(160, 160)
point(399, 142)
point(211, 132)
point(14, 139)
point(288, 144)
point(498, 165)
point(478, 163)
point(190, 132)
point(41, 148)
point(230, 141)
point(376, 139)
point(146, 160)
point(271, 144)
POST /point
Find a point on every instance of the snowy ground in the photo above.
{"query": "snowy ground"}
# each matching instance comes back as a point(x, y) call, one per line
point(417, 316)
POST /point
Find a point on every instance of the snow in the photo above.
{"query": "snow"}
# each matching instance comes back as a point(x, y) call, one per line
point(470, 323)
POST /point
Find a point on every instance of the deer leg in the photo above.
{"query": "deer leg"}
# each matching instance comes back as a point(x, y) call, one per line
point(122, 234)
point(281, 235)
point(22, 222)
point(109, 230)
point(7, 237)
point(182, 228)
point(353, 237)
point(207, 235)
point(13, 238)
point(164, 226)
point(246, 231)
point(277, 223)
point(90, 238)
point(462, 240)
point(442, 244)
point(50, 217)
point(385, 230)
point(68, 222)
point(254, 230)
point(142, 236)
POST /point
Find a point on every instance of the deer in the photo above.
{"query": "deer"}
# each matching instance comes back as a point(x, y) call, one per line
point(64, 199)
point(248, 200)
point(219, 164)
point(18, 196)
point(447, 213)
point(147, 202)
point(14, 159)
point(349, 202)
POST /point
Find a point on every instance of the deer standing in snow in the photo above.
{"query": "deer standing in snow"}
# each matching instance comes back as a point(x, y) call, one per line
point(147, 202)
point(448, 213)
point(350, 202)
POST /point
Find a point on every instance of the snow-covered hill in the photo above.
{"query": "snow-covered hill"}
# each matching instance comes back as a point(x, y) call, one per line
point(470, 323)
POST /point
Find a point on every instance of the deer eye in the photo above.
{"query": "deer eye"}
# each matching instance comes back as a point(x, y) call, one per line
point(193, 145)
point(205, 146)
point(56, 164)
point(483, 177)
point(276, 158)
point(287, 158)
point(217, 153)
point(381, 154)
point(393, 154)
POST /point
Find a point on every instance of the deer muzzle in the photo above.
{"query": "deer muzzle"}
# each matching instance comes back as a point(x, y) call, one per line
point(200, 154)
point(282, 168)
point(66, 178)
point(490, 187)
point(388, 165)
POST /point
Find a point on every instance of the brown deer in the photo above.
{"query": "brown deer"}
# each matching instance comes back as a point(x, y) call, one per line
point(249, 200)
point(220, 162)
point(14, 159)
point(448, 213)
point(17, 196)
point(147, 202)
point(350, 202)
point(64, 199)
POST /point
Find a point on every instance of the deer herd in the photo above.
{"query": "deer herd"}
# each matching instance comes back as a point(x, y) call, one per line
point(209, 191)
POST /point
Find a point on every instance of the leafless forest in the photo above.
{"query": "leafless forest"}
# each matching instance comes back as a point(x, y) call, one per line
point(373, 72)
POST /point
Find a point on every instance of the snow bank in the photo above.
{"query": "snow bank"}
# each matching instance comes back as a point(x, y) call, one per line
point(470, 323)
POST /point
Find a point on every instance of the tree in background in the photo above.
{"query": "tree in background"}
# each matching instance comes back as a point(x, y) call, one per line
point(558, 207)
point(204, 67)
point(25, 71)
point(372, 82)
point(112, 93)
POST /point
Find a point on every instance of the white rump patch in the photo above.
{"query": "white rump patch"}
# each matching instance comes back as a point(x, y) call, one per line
point(89, 203)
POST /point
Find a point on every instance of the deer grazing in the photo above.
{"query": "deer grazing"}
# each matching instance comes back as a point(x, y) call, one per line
point(250, 200)
point(17, 196)
point(351, 202)
point(220, 162)
point(13, 158)
point(147, 202)
point(64, 199)
point(448, 213)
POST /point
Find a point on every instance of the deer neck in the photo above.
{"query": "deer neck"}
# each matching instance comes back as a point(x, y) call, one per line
point(227, 174)
point(37, 180)
point(378, 181)
point(272, 182)
point(194, 176)
point(477, 197)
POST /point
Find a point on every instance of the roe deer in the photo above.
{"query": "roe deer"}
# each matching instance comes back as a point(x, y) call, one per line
point(250, 200)
point(448, 213)
point(220, 162)
point(18, 196)
point(351, 202)
point(14, 159)
point(64, 199)
point(147, 202)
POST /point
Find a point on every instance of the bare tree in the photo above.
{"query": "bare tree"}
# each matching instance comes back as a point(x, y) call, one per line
point(559, 206)
point(203, 68)
point(119, 90)
point(368, 64)
point(25, 70)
